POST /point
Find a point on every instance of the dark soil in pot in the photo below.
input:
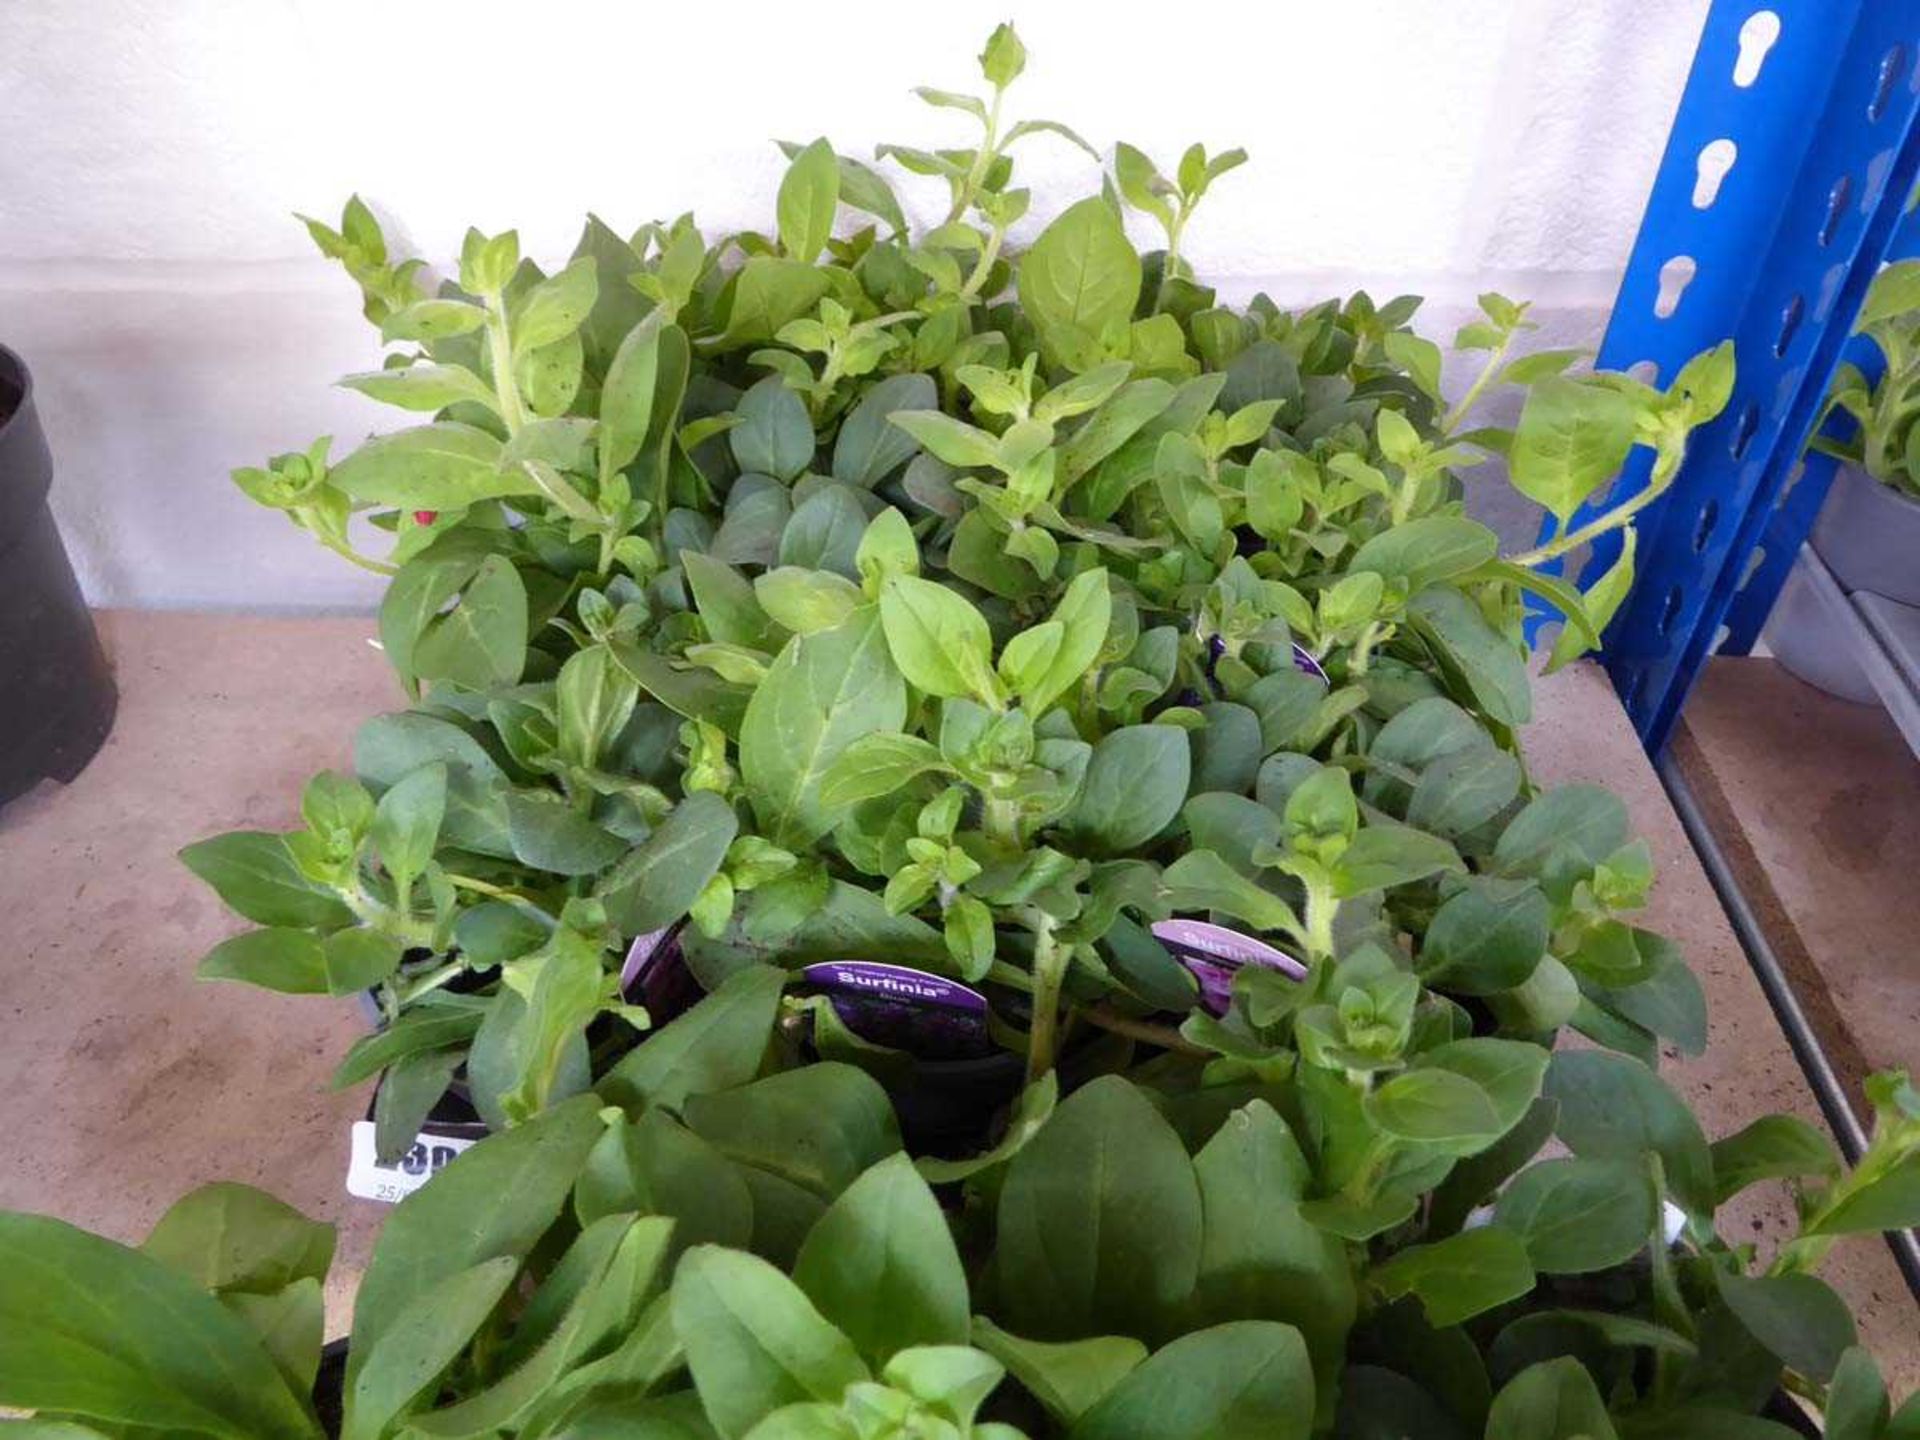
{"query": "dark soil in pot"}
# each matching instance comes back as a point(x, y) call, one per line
point(56, 693)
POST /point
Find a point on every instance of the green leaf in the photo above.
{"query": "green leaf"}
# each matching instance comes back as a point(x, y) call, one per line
point(1099, 1220)
point(1459, 1277)
point(1797, 1318)
point(556, 307)
point(1202, 880)
point(1427, 550)
point(657, 883)
point(358, 959)
point(1856, 1407)
point(492, 1203)
point(767, 293)
point(773, 435)
point(1434, 1107)
point(254, 873)
point(1580, 1215)
point(825, 531)
point(423, 1337)
point(1078, 283)
point(1260, 1259)
point(1598, 605)
point(1614, 1108)
point(280, 958)
point(805, 601)
point(1573, 437)
point(433, 320)
point(716, 1045)
point(1490, 668)
point(1554, 1400)
point(443, 466)
point(809, 193)
point(754, 1342)
point(869, 447)
point(1486, 938)
point(1584, 823)
point(427, 1027)
point(389, 747)
point(1891, 1202)
point(627, 396)
point(1384, 855)
point(1067, 1378)
point(881, 1264)
point(820, 1126)
point(938, 639)
point(1895, 292)
point(406, 823)
point(482, 641)
point(1462, 791)
point(1248, 1380)
point(1085, 613)
point(728, 604)
point(1772, 1146)
point(822, 692)
point(877, 765)
point(422, 387)
point(948, 439)
point(656, 1166)
point(161, 1354)
point(234, 1237)
point(1135, 785)
point(408, 1092)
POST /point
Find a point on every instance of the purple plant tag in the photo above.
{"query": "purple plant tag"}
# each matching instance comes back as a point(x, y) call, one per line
point(1213, 953)
point(926, 1015)
point(655, 975)
point(1304, 662)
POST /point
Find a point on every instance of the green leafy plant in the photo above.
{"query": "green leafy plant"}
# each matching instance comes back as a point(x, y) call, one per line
point(1883, 411)
point(737, 1249)
point(889, 596)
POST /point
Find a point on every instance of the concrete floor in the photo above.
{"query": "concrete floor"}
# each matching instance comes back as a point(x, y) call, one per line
point(124, 1082)
point(1816, 803)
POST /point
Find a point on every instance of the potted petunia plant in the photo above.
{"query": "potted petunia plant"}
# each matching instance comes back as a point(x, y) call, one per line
point(897, 690)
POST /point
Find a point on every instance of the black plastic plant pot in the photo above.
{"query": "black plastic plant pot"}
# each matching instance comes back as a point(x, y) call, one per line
point(330, 1386)
point(56, 693)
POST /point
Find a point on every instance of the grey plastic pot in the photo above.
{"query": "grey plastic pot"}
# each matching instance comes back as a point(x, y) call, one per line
point(1868, 539)
point(1869, 535)
point(1810, 634)
point(56, 694)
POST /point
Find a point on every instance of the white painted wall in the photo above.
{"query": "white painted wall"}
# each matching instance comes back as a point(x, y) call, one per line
point(179, 324)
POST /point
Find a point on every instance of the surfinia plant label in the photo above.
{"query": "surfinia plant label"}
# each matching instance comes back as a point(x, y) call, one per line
point(1215, 954)
point(925, 1015)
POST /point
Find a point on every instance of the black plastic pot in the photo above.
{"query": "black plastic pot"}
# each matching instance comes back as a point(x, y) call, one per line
point(330, 1386)
point(56, 692)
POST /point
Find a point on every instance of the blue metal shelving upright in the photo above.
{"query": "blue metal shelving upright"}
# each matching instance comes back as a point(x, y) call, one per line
point(1816, 103)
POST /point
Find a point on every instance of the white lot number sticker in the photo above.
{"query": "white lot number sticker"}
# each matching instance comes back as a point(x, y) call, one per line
point(427, 1156)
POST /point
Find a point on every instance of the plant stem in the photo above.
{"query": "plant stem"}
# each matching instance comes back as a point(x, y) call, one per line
point(1321, 906)
point(1664, 469)
point(982, 267)
point(1165, 1036)
point(1000, 819)
point(982, 158)
point(1478, 388)
point(432, 980)
point(1050, 960)
point(347, 552)
point(500, 350)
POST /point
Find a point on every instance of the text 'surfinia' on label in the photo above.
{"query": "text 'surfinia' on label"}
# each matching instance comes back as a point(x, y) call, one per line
point(928, 1016)
point(1213, 953)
